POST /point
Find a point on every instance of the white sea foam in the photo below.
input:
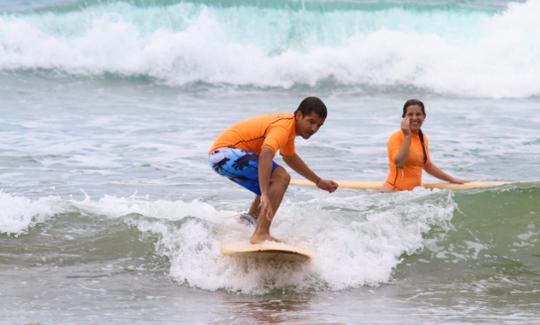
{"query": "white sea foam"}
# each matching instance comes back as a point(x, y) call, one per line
point(350, 249)
point(19, 213)
point(471, 54)
point(355, 241)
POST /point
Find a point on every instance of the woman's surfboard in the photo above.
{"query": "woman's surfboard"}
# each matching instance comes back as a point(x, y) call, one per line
point(266, 250)
point(378, 185)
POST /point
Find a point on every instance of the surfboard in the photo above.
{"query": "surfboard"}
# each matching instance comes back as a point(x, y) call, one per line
point(266, 250)
point(378, 185)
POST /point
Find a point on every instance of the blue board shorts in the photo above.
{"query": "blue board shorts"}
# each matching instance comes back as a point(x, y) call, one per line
point(239, 166)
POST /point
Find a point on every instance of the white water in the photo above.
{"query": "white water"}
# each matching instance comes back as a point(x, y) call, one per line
point(110, 213)
point(464, 53)
point(344, 231)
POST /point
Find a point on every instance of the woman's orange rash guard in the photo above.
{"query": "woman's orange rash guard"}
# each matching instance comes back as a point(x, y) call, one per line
point(410, 176)
point(273, 131)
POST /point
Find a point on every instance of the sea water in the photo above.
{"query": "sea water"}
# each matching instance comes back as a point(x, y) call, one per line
point(109, 212)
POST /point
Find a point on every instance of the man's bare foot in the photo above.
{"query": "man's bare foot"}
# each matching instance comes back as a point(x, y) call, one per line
point(256, 239)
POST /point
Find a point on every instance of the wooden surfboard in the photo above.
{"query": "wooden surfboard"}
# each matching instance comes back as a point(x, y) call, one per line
point(266, 250)
point(378, 185)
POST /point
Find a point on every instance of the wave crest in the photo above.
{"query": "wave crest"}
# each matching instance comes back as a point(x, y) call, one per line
point(457, 52)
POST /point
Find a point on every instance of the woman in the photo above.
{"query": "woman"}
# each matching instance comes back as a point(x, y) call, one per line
point(408, 152)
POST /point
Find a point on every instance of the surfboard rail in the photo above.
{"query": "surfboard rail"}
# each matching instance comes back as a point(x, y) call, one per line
point(264, 249)
point(360, 185)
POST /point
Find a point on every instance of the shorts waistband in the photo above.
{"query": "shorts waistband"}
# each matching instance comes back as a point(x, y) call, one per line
point(217, 150)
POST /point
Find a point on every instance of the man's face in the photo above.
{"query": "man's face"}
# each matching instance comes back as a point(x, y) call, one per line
point(307, 125)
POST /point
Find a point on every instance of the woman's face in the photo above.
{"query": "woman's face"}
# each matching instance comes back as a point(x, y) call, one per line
point(416, 117)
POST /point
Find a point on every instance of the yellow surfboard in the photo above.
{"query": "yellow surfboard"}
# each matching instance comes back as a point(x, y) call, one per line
point(378, 185)
point(266, 250)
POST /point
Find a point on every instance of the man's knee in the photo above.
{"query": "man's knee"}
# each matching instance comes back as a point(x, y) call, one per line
point(280, 175)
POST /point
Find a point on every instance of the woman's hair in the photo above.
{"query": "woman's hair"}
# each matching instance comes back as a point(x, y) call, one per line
point(412, 102)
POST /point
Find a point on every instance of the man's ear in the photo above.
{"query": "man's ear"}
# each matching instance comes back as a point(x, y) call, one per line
point(298, 115)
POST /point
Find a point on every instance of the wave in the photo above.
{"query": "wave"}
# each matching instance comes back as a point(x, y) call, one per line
point(491, 249)
point(324, 5)
point(443, 49)
point(374, 238)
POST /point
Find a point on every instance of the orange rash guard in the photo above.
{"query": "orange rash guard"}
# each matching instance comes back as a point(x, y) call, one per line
point(274, 131)
point(410, 176)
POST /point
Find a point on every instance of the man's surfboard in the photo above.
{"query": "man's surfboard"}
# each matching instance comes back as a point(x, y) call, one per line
point(266, 250)
point(378, 185)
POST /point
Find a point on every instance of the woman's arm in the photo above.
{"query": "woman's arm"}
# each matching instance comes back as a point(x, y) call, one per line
point(437, 172)
point(401, 157)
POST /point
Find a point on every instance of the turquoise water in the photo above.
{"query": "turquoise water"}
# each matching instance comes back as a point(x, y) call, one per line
point(451, 49)
point(109, 212)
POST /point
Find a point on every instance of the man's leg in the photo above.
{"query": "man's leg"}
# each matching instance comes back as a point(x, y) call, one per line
point(254, 209)
point(279, 181)
point(250, 218)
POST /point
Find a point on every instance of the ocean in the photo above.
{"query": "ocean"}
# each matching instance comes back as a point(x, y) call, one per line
point(110, 213)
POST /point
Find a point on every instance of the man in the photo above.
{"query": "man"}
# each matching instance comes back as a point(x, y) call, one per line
point(244, 153)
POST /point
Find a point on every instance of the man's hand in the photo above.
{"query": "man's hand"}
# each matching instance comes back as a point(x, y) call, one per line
point(265, 208)
point(406, 126)
point(327, 185)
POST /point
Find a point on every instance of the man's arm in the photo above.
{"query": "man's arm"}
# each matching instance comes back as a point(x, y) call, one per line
point(265, 170)
point(299, 166)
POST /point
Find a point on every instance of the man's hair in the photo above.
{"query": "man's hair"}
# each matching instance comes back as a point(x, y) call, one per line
point(312, 105)
point(412, 102)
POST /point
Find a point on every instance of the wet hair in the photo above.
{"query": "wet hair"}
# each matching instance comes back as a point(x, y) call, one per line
point(412, 102)
point(312, 105)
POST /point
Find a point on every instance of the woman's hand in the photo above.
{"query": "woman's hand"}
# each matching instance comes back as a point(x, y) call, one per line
point(406, 126)
point(455, 180)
